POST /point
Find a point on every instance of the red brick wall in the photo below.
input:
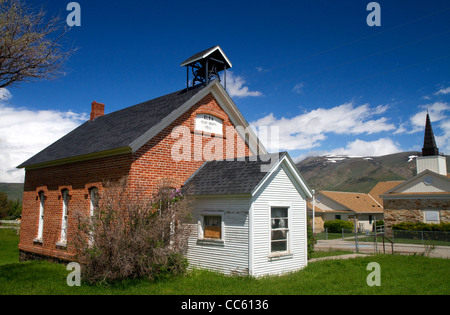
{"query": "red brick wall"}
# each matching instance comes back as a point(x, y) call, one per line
point(144, 168)
point(155, 161)
point(77, 178)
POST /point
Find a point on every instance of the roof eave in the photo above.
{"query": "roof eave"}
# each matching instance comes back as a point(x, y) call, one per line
point(206, 54)
point(79, 158)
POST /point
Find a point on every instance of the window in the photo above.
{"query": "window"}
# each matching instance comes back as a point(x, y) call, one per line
point(93, 195)
point(337, 217)
point(432, 216)
point(41, 215)
point(279, 230)
point(65, 216)
point(212, 227)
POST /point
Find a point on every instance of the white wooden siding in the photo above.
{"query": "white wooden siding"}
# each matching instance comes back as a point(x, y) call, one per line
point(438, 184)
point(279, 191)
point(231, 256)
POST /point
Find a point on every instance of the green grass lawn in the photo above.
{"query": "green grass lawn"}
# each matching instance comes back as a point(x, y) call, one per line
point(399, 275)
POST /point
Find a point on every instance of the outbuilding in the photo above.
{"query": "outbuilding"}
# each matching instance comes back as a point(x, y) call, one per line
point(247, 220)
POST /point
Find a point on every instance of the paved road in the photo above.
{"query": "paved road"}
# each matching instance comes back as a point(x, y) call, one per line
point(368, 247)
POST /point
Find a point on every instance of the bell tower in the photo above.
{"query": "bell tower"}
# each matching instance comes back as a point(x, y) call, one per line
point(206, 65)
point(430, 158)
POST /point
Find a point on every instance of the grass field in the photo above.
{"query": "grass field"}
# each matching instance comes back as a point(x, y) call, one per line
point(399, 275)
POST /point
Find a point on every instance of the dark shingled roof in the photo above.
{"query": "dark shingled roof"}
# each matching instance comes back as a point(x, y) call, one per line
point(229, 177)
point(115, 130)
point(214, 52)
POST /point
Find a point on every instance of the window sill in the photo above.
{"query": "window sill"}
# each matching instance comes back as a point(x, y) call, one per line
point(210, 242)
point(61, 245)
point(280, 256)
point(38, 241)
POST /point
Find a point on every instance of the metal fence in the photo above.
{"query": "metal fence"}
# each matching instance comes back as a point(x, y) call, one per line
point(439, 238)
point(10, 222)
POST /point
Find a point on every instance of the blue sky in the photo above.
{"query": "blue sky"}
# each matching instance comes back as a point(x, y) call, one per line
point(315, 69)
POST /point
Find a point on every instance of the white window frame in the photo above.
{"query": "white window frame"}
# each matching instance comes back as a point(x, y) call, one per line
point(65, 217)
point(93, 195)
point(41, 216)
point(201, 227)
point(93, 204)
point(288, 230)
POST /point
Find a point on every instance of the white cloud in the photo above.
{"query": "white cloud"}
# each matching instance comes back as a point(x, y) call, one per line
point(261, 69)
point(443, 91)
point(24, 132)
point(236, 86)
point(443, 140)
point(308, 130)
point(436, 111)
point(359, 147)
point(4, 94)
point(298, 88)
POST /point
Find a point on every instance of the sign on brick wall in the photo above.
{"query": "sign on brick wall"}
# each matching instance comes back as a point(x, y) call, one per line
point(208, 123)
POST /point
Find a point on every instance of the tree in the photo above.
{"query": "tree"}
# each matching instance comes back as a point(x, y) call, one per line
point(30, 45)
point(4, 206)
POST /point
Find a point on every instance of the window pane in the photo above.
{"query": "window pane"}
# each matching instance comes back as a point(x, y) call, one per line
point(280, 223)
point(212, 220)
point(279, 212)
point(213, 232)
point(279, 235)
point(432, 216)
point(212, 227)
point(279, 246)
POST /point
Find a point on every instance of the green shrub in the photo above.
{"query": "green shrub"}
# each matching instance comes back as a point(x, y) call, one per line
point(337, 225)
point(421, 226)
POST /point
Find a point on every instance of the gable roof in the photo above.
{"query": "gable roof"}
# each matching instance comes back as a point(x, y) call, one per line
point(238, 176)
point(394, 191)
point(382, 187)
point(215, 51)
point(357, 202)
point(127, 130)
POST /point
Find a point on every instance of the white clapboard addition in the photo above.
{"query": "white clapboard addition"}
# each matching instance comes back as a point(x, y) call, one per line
point(257, 232)
point(280, 191)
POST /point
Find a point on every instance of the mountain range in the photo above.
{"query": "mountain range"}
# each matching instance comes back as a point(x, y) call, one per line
point(357, 174)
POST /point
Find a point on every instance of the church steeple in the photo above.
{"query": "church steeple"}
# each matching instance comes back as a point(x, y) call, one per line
point(430, 159)
point(429, 143)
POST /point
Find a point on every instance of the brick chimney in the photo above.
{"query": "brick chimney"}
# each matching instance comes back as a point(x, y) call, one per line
point(97, 110)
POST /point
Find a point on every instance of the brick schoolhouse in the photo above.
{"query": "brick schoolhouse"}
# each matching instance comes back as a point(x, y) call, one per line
point(171, 136)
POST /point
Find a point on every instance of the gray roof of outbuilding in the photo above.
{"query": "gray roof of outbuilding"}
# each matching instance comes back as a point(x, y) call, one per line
point(115, 130)
point(239, 176)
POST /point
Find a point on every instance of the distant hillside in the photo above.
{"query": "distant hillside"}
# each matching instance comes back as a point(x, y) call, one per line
point(13, 190)
point(358, 174)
